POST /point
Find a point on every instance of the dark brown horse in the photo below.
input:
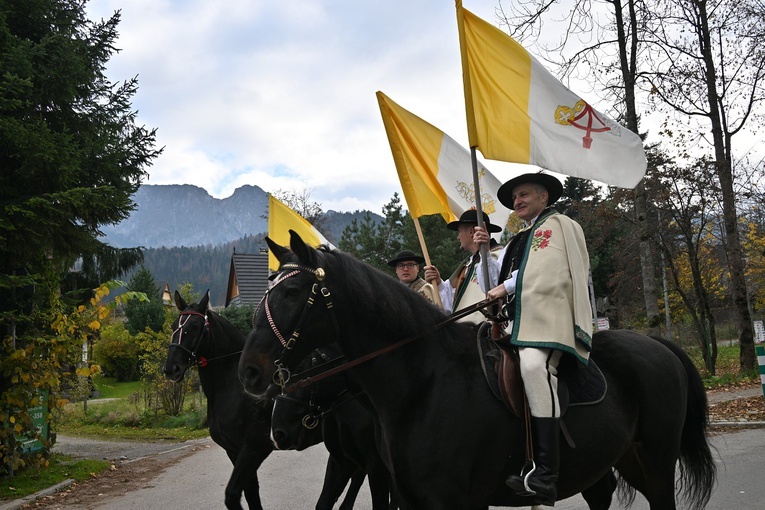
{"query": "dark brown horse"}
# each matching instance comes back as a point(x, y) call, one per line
point(447, 441)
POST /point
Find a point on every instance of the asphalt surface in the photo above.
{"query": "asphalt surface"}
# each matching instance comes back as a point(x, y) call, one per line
point(183, 464)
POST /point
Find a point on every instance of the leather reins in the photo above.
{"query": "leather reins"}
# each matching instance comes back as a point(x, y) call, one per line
point(282, 375)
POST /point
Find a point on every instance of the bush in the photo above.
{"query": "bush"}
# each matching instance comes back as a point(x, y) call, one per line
point(240, 316)
point(118, 353)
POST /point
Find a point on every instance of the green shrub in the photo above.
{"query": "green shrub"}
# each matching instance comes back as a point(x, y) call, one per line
point(118, 353)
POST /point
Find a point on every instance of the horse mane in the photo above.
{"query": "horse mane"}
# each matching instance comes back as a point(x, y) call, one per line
point(374, 296)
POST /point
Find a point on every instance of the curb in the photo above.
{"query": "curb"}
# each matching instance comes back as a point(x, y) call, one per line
point(726, 424)
point(13, 505)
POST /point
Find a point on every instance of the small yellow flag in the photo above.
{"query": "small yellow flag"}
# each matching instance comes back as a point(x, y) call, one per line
point(282, 219)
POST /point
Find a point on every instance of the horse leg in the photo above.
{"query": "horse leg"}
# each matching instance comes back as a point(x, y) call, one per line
point(379, 484)
point(353, 489)
point(336, 476)
point(598, 495)
point(655, 480)
point(244, 477)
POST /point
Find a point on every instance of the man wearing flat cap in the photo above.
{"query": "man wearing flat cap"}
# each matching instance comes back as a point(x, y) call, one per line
point(462, 288)
point(542, 274)
point(407, 265)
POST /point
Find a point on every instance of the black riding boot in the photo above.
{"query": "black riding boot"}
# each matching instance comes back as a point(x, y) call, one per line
point(546, 440)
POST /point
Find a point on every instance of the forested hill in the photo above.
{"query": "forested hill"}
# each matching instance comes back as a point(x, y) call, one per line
point(189, 236)
point(204, 267)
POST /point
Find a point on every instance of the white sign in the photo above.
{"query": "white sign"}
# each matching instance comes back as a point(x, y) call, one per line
point(602, 324)
point(759, 332)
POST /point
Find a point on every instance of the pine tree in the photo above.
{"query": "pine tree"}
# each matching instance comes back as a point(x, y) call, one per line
point(144, 314)
point(70, 151)
point(71, 157)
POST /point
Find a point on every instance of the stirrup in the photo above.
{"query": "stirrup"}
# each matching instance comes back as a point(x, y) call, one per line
point(527, 491)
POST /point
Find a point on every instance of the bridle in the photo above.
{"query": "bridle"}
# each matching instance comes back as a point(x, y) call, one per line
point(318, 288)
point(183, 319)
point(317, 411)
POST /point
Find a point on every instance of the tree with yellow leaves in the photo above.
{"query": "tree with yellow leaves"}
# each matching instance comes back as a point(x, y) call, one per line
point(34, 368)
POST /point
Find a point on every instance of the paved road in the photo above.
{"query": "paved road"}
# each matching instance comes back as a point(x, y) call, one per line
point(292, 480)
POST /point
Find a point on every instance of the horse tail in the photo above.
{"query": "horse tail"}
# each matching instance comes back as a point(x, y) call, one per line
point(697, 467)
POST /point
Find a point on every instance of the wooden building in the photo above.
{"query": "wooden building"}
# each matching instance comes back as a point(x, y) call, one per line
point(247, 278)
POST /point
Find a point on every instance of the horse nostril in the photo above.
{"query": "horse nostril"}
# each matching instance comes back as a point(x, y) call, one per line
point(279, 439)
point(252, 375)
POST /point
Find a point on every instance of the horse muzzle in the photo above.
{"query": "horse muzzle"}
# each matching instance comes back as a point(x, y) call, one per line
point(174, 373)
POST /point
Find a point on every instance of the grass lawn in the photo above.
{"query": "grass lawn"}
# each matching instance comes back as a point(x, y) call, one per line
point(60, 468)
point(110, 388)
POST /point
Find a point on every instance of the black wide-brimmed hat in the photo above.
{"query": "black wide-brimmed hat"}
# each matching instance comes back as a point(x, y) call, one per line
point(552, 185)
point(406, 255)
point(470, 217)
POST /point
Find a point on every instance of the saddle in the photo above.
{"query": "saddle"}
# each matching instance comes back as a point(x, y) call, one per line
point(578, 385)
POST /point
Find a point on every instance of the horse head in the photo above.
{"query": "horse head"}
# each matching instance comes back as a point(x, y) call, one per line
point(293, 318)
point(189, 331)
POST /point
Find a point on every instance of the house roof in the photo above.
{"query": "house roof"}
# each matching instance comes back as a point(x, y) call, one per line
point(247, 278)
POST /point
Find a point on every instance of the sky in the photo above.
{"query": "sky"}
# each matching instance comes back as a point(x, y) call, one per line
point(281, 94)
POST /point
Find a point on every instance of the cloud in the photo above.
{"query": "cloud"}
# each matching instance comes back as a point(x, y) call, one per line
point(282, 94)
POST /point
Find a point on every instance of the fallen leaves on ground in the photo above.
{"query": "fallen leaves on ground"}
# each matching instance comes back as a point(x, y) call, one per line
point(739, 409)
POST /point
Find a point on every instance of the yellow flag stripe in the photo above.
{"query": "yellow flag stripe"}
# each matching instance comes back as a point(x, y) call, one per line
point(497, 80)
point(416, 147)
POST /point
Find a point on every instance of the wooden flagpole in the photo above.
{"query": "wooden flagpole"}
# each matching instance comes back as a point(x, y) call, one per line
point(484, 248)
point(425, 255)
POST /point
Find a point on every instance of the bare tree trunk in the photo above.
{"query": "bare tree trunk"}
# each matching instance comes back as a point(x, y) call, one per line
point(724, 172)
point(628, 66)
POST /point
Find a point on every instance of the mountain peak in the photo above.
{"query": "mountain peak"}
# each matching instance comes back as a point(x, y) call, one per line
point(173, 215)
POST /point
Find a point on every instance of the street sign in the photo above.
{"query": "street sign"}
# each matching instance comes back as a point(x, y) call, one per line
point(39, 415)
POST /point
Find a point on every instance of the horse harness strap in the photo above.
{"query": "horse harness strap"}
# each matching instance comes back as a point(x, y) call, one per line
point(318, 288)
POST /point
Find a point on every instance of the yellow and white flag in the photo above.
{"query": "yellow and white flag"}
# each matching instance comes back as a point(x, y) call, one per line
point(517, 111)
point(282, 219)
point(434, 170)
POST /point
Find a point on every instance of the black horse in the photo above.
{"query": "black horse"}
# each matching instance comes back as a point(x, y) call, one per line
point(331, 412)
point(238, 423)
point(447, 441)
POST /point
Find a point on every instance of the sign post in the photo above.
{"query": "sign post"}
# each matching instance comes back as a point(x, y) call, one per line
point(759, 347)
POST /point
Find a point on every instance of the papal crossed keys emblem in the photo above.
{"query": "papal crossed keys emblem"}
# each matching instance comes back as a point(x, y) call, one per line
point(582, 116)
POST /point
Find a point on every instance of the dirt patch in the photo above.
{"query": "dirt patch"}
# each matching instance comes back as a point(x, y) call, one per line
point(134, 465)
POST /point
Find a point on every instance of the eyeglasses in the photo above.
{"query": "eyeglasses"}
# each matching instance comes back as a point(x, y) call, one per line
point(406, 265)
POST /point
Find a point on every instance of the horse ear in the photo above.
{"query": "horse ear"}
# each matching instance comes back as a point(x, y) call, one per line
point(204, 304)
point(302, 250)
point(278, 250)
point(180, 302)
